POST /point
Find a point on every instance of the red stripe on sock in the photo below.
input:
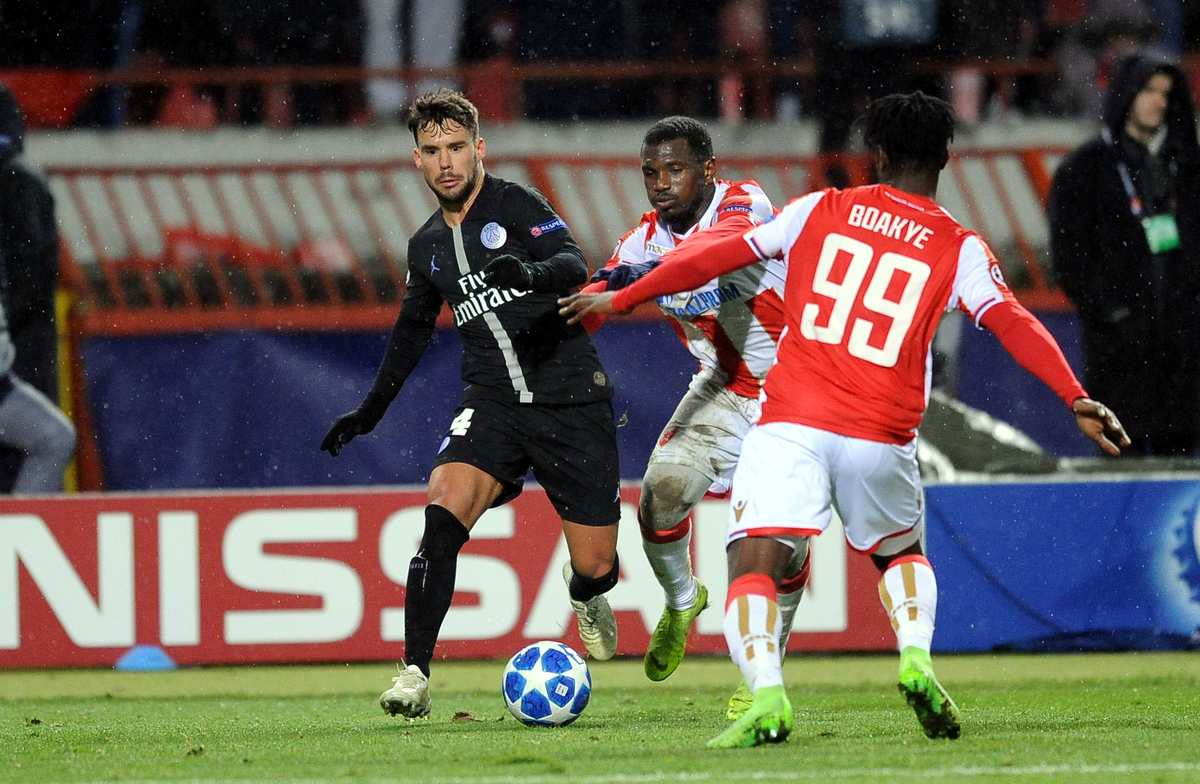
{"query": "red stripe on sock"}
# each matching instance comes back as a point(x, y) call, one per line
point(797, 581)
point(681, 529)
point(752, 583)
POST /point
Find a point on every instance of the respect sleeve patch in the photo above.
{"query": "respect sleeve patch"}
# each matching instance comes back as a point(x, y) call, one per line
point(547, 227)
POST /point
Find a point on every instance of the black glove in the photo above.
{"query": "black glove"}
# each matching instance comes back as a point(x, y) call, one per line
point(360, 421)
point(622, 275)
point(508, 272)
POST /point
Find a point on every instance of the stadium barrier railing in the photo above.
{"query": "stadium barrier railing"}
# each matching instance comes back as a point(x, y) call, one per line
point(54, 97)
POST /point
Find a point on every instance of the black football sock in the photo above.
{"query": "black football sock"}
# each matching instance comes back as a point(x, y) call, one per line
point(430, 587)
point(584, 588)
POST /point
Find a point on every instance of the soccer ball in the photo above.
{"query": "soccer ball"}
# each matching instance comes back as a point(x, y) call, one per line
point(546, 684)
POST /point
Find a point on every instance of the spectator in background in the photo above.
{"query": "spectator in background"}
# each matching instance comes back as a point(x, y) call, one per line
point(975, 30)
point(36, 440)
point(1124, 212)
point(577, 31)
point(422, 33)
point(790, 38)
point(1107, 29)
point(679, 33)
point(490, 40)
point(34, 427)
point(745, 41)
point(322, 33)
point(29, 249)
point(862, 55)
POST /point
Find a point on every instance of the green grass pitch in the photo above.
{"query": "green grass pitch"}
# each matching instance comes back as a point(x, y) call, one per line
point(1064, 718)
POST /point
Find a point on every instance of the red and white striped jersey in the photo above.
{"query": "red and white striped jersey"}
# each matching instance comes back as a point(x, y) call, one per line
point(871, 270)
point(732, 323)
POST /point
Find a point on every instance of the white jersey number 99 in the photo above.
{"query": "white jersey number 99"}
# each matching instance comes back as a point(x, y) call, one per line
point(898, 312)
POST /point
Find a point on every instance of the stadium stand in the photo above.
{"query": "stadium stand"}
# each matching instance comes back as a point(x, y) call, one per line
point(202, 247)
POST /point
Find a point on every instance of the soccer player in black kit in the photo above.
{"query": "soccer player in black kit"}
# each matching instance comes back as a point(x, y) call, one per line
point(536, 396)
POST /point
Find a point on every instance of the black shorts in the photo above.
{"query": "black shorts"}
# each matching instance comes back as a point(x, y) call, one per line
point(571, 449)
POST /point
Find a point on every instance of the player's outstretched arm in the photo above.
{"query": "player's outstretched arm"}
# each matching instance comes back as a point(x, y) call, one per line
point(1032, 346)
point(405, 345)
point(689, 266)
point(1100, 424)
point(587, 305)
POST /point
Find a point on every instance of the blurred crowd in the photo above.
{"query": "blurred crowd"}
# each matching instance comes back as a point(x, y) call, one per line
point(858, 47)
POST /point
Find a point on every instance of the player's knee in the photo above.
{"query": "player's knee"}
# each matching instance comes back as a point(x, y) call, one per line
point(584, 586)
point(669, 492)
point(797, 568)
point(444, 534)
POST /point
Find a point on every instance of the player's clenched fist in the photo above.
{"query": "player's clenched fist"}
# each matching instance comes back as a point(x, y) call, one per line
point(345, 428)
point(508, 272)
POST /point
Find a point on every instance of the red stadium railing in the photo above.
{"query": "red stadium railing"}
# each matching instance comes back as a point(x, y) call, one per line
point(51, 97)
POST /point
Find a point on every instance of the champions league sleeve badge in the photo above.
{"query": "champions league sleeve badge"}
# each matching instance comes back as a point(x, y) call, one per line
point(493, 236)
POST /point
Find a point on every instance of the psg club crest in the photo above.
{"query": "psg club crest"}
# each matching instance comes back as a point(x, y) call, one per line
point(493, 236)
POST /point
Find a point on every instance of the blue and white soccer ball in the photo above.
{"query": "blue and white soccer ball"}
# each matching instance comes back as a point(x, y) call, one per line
point(547, 684)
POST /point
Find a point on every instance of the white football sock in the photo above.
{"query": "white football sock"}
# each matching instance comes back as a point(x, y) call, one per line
point(908, 591)
point(670, 558)
point(752, 625)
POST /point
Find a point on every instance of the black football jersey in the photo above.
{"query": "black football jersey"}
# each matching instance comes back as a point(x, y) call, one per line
point(515, 344)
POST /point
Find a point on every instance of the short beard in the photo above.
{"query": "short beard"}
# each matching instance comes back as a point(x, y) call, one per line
point(681, 222)
point(453, 204)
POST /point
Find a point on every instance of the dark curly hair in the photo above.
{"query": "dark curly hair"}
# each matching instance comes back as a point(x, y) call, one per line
point(441, 106)
point(913, 129)
point(679, 127)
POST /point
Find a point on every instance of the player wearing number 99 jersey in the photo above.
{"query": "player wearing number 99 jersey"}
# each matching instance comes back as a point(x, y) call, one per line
point(875, 269)
point(870, 271)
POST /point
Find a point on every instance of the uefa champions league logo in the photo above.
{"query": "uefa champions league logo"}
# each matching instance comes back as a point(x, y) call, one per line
point(1176, 574)
point(1186, 533)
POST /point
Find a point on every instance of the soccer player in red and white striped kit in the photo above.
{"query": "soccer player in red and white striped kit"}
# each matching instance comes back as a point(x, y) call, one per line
point(870, 271)
point(731, 325)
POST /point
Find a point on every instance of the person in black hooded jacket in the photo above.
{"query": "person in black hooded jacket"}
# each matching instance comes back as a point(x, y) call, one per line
point(1124, 214)
point(29, 247)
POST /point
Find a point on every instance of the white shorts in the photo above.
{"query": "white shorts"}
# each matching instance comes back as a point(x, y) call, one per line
point(706, 431)
point(790, 475)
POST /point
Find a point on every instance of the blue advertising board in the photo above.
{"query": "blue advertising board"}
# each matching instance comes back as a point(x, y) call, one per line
point(248, 409)
point(1066, 565)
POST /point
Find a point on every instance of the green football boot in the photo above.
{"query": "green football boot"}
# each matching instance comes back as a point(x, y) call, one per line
point(669, 641)
point(739, 702)
point(935, 710)
point(769, 720)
